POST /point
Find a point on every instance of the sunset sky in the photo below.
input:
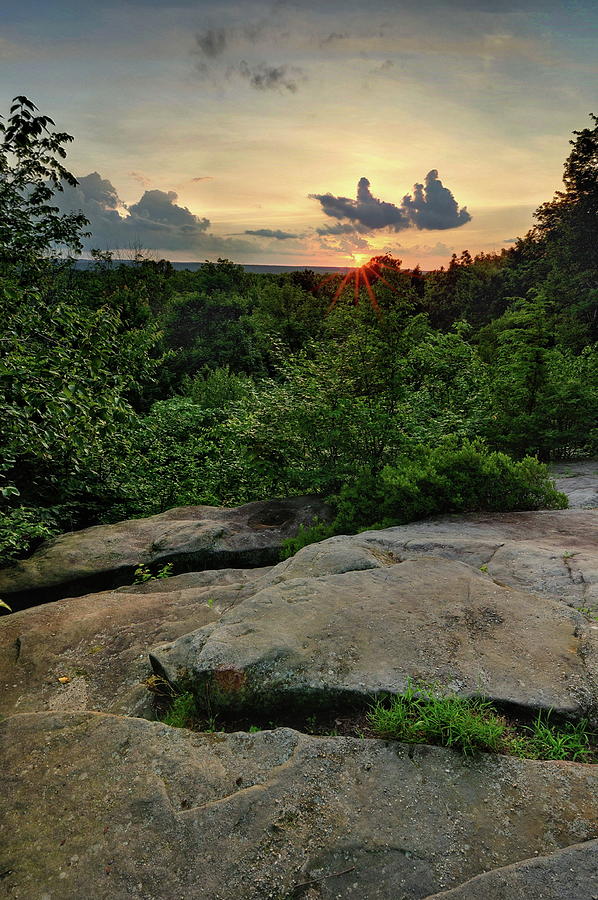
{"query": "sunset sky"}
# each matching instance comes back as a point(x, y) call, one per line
point(251, 130)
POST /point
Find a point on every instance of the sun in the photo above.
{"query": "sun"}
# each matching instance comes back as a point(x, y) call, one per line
point(360, 258)
point(365, 275)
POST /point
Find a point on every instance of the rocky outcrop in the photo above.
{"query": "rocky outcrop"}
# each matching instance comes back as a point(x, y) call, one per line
point(550, 553)
point(338, 639)
point(570, 874)
point(579, 481)
point(191, 538)
point(100, 802)
point(110, 807)
point(93, 654)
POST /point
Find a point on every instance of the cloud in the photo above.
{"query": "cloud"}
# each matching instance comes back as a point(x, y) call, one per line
point(342, 228)
point(269, 233)
point(156, 221)
point(202, 178)
point(431, 207)
point(366, 210)
point(264, 77)
point(159, 210)
point(211, 42)
point(347, 243)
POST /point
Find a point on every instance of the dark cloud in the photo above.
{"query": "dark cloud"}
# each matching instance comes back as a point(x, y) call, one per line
point(203, 178)
point(211, 42)
point(342, 228)
point(159, 209)
point(269, 233)
point(156, 221)
point(264, 77)
point(366, 210)
point(431, 207)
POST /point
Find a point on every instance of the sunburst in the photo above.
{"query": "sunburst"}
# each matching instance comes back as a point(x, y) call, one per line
point(367, 275)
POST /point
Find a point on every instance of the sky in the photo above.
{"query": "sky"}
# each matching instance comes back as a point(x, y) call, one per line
point(307, 133)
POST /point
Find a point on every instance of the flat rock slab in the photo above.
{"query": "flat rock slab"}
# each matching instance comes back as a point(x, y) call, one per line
point(569, 874)
point(108, 807)
point(191, 537)
point(100, 643)
point(579, 481)
point(552, 553)
point(344, 637)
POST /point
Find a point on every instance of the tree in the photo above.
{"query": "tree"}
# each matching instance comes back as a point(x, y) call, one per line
point(571, 217)
point(564, 243)
point(31, 172)
point(68, 367)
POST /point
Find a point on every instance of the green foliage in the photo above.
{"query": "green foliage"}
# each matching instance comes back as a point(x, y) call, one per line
point(31, 171)
point(448, 478)
point(217, 388)
point(545, 398)
point(307, 534)
point(182, 712)
point(22, 529)
point(427, 714)
point(65, 373)
point(571, 740)
point(144, 573)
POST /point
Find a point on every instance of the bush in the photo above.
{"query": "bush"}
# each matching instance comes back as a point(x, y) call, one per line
point(445, 479)
point(22, 529)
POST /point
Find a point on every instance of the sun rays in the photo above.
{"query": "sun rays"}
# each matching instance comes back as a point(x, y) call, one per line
point(366, 276)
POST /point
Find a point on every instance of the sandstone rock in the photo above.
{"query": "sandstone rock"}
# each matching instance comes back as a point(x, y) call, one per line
point(107, 807)
point(341, 638)
point(100, 642)
point(569, 874)
point(194, 537)
point(546, 552)
point(579, 481)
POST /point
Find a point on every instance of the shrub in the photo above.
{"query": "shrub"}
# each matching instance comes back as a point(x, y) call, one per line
point(22, 529)
point(182, 712)
point(445, 479)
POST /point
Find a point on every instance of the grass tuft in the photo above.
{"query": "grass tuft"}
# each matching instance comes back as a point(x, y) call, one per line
point(426, 714)
point(429, 714)
point(182, 712)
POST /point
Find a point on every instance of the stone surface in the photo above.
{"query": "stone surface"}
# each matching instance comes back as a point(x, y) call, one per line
point(342, 637)
point(107, 807)
point(553, 553)
point(100, 642)
point(193, 537)
point(569, 874)
point(579, 481)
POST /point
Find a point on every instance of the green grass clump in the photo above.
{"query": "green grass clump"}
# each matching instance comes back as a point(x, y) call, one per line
point(572, 740)
point(429, 714)
point(426, 714)
point(182, 712)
